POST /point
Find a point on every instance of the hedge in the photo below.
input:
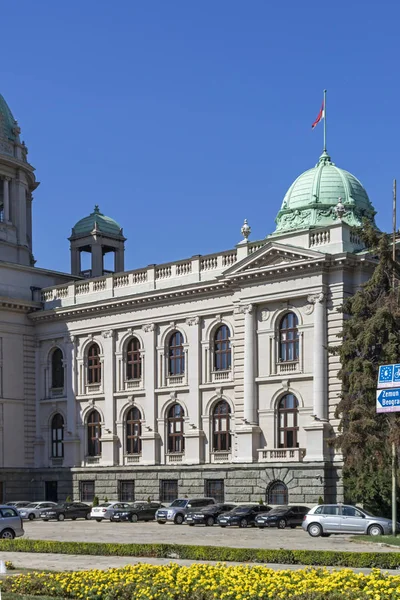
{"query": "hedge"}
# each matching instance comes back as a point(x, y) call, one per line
point(381, 560)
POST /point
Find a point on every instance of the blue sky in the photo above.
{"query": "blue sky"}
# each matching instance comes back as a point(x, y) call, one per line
point(181, 118)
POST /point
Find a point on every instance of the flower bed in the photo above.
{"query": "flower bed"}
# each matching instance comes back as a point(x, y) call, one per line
point(205, 582)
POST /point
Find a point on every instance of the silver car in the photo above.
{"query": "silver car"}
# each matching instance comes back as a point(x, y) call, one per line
point(107, 509)
point(32, 510)
point(326, 519)
point(10, 523)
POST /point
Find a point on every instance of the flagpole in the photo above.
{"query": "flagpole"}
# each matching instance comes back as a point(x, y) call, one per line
point(324, 120)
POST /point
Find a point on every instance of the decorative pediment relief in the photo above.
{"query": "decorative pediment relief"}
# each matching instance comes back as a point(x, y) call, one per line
point(273, 255)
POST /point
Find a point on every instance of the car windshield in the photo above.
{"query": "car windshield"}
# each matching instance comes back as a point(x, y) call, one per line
point(60, 505)
point(278, 510)
point(179, 503)
point(105, 504)
point(242, 509)
point(31, 505)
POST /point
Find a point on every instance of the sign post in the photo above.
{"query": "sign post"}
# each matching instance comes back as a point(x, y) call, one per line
point(388, 401)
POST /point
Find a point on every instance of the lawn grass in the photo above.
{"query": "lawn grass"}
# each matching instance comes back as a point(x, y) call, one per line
point(383, 539)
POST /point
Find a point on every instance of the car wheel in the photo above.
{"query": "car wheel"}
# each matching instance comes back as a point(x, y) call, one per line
point(281, 524)
point(7, 534)
point(375, 530)
point(134, 519)
point(31, 516)
point(210, 521)
point(99, 520)
point(178, 519)
point(243, 523)
point(315, 530)
point(61, 517)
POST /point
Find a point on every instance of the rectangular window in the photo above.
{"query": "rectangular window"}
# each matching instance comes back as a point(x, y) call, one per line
point(126, 490)
point(214, 488)
point(168, 490)
point(86, 491)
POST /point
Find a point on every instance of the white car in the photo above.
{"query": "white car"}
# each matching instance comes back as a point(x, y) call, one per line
point(106, 510)
point(32, 511)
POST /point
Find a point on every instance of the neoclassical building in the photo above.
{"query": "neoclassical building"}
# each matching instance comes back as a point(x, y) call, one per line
point(207, 376)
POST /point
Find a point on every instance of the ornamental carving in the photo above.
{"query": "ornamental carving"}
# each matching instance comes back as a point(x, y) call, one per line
point(107, 334)
point(193, 321)
point(314, 298)
point(148, 327)
point(264, 314)
point(246, 309)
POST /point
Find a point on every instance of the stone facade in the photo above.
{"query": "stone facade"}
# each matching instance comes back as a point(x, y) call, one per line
point(67, 394)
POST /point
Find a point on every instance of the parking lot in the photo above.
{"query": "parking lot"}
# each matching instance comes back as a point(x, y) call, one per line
point(294, 539)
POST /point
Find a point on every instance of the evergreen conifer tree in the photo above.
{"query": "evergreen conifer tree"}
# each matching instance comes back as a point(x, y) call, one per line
point(370, 337)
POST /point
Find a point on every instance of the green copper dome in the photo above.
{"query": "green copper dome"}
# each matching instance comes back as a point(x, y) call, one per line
point(96, 221)
point(9, 129)
point(312, 200)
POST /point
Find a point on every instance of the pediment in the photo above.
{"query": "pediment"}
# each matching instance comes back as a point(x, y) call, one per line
point(273, 255)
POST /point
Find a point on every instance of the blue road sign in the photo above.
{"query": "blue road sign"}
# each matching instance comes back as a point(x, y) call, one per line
point(388, 400)
point(385, 377)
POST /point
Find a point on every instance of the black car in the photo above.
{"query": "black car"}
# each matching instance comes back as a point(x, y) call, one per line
point(207, 515)
point(281, 516)
point(243, 515)
point(66, 510)
point(143, 511)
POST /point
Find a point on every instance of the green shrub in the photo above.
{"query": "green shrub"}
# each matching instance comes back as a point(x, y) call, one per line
point(68, 499)
point(95, 501)
point(320, 500)
point(380, 560)
point(105, 499)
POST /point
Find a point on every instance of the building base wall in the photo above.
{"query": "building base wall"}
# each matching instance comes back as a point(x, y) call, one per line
point(306, 483)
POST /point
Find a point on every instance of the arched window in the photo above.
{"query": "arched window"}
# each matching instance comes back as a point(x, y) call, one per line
point(176, 441)
point(288, 422)
point(94, 433)
point(133, 360)
point(57, 369)
point(133, 431)
point(176, 356)
point(277, 493)
point(222, 349)
point(221, 427)
point(57, 436)
point(94, 365)
point(288, 338)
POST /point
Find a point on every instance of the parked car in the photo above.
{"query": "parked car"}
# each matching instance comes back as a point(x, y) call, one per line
point(10, 523)
point(66, 510)
point(18, 503)
point(326, 519)
point(207, 515)
point(243, 515)
point(176, 512)
point(106, 509)
point(32, 510)
point(282, 516)
point(143, 511)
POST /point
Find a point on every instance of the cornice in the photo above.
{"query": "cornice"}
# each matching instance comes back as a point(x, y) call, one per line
point(24, 306)
point(127, 303)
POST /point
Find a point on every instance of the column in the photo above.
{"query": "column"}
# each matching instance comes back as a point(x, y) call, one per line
point(119, 260)
point(6, 199)
point(97, 260)
point(250, 408)
point(319, 358)
point(194, 434)
point(108, 435)
point(150, 437)
point(71, 438)
point(39, 443)
point(75, 261)
point(22, 215)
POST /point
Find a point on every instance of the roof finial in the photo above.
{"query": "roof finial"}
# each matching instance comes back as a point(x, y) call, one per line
point(96, 209)
point(246, 230)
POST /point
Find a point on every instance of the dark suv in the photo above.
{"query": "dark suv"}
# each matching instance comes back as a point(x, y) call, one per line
point(177, 510)
point(282, 516)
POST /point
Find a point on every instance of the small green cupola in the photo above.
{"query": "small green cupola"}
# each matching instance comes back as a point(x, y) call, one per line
point(97, 235)
point(323, 196)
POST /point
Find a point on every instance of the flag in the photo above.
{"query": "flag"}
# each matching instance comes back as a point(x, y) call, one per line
point(320, 116)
